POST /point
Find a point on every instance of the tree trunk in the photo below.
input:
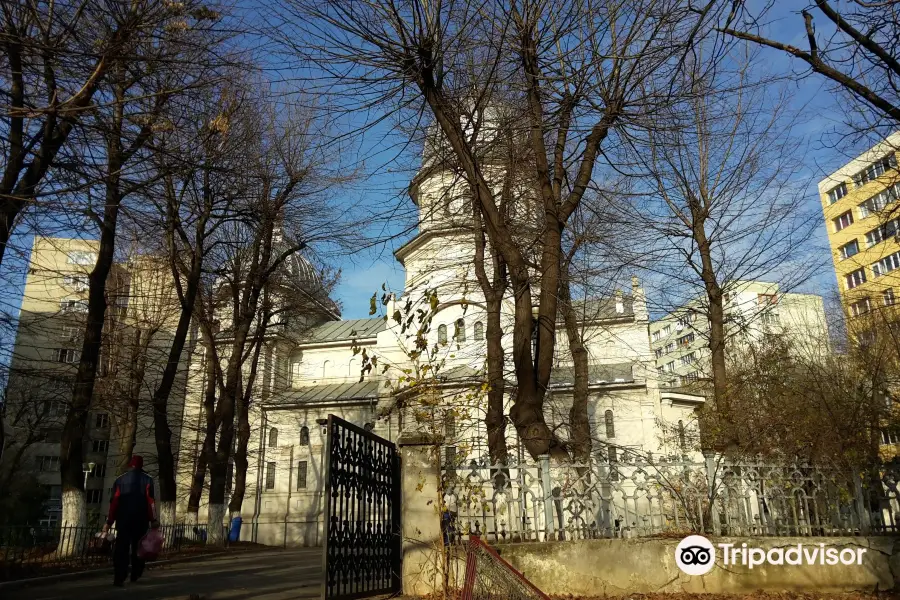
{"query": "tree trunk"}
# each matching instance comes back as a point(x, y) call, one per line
point(208, 447)
point(161, 429)
point(243, 435)
point(71, 445)
point(579, 423)
point(495, 419)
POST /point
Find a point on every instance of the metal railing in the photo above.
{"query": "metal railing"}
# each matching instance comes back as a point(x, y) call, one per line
point(35, 551)
point(635, 497)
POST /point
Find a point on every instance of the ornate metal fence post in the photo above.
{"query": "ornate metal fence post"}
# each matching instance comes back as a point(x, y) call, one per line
point(865, 522)
point(713, 493)
point(546, 496)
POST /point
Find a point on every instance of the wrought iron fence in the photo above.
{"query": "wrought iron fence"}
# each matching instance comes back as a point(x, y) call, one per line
point(640, 497)
point(34, 551)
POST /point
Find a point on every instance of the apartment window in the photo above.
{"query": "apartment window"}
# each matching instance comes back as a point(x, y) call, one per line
point(101, 420)
point(888, 297)
point(66, 355)
point(837, 193)
point(79, 283)
point(857, 277)
point(100, 446)
point(273, 438)
point(770, 318)
point(304, 436)
point(860, 307)
point(882, 233)
point(657, 335)
point(886, 264)
point(51, 436)
point(661, 370)
point(685, 321)
point(73, 306)
point(875, 170)
point(890, 437)
point(79, 257)
point(479, 331)
point(879, 201)
point(70, 333)
point(658, 352)
point(848, 250)
point(301, 475)
point(99, 471)
point(688, 359)
point(610, 424)
point(48, 463)
point(270, 475)
point(54, 409)
point(686, 340)
point(766, 299)
point(670, 367)
point(667, 330)
point(670, 347)
point(53, 492)
point(692, 376)
point(843, 221)
point(94, 496)
point(442, 334)
point(460, 331)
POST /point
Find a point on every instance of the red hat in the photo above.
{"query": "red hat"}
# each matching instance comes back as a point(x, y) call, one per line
point(136, 462)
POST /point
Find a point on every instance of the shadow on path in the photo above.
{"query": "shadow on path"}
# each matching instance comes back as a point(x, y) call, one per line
point(275, 575)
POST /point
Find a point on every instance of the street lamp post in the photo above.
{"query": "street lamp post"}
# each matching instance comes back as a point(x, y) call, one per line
point(87, 468)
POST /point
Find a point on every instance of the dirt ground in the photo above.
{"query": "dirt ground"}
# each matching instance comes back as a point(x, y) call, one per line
point(891, 595)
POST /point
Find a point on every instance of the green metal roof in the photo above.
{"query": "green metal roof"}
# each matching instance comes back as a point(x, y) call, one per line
point(338, 331)
point(327, 393)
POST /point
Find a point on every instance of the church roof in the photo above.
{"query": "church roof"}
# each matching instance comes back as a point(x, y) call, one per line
point(327, 393)
point(597, 373)
point(339, 331)
point(593, 309)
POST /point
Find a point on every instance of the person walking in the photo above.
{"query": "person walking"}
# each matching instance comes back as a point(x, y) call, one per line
point(133, 510)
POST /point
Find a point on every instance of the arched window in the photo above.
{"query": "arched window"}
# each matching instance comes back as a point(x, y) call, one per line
point(450, 424)
point(681, 441)
point(442, 334)
point(355, 372)
point(273, 438)
point(479, 331)
point(304, 436)
point(460, 333)
point(326, 367)
point(610, 426)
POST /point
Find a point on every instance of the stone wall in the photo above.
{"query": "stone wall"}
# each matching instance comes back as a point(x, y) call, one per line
point(617, 567)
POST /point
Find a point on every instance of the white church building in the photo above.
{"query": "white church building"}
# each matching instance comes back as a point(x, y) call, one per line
point(319, 373)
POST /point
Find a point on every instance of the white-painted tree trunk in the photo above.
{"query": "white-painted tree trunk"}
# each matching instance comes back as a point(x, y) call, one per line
point(216, 532)
point(166, 513)
point(73, 532)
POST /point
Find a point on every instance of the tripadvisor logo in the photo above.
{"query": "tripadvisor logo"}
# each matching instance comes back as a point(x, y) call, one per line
point(696, 555)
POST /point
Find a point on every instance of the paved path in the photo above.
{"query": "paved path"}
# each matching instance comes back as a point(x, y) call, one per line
point(268, 575)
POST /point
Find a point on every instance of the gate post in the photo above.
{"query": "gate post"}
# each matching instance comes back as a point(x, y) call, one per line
point(420, 517)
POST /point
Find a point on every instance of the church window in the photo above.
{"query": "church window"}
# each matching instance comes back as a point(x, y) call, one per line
point(273, 438)
point(479, 331)
point(442, 334)
point(460, 333)
point(304, 436)
point(610, 425)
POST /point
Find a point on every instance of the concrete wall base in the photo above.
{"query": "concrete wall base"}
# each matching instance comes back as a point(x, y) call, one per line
point(617, 567)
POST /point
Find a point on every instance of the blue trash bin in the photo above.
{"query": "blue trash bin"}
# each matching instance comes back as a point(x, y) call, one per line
point(235, 533)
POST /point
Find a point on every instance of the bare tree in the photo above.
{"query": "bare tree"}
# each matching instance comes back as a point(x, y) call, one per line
point(580, 70)
point(112, 157)
point(716, 202)
point(857, 50)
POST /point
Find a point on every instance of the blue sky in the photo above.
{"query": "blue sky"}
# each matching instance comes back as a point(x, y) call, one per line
point(364, 272)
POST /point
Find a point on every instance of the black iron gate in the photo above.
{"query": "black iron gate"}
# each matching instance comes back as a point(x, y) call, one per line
point(362, 513)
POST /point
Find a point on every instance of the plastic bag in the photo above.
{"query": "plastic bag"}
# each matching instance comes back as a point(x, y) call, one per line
point(151, 545)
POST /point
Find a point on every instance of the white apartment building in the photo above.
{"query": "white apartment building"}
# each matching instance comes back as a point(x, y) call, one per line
point(754, 310)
